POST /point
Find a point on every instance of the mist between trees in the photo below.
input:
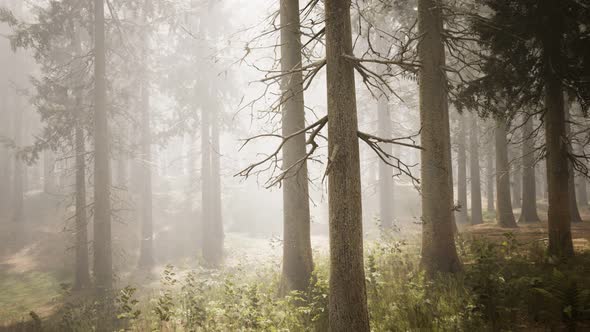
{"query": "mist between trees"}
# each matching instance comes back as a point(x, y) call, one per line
point(277, 165)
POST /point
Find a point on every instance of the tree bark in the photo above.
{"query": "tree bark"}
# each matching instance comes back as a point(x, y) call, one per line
point(439, 253)
point(504, 215)
point(386, 183)
point(529, 186)
point(297, 254)
point(476, 209)
point(103, 261)
point(348, 298)
point(462, 171)
point(217, 217)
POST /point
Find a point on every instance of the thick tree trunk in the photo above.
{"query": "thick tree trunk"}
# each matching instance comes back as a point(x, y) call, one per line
point(348, 297)
point(297, 255)
point(386, 183)
point(82, 275)
point(103, 261)
point(559, 212)
point(490, 177)
point(462, 171)
point(505, 216)
point(529, 186)
point(438, 244)
point(476, 209)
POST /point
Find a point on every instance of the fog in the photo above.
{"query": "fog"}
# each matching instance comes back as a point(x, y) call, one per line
point(202, 166)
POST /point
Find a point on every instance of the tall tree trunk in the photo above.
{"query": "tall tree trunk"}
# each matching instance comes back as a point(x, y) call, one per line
point(386, 183)
point(438, 244)
point(504, 215)
point(5, 158)
point(559, 214)
point(82, 275)
point(476, 209)
point(573, 202)
point(297, 255)
point(529, 186)
point(348, 297)
point(19, 169)
point(462, 171)
point(206, 212)
point(490, 177)
point(146, 253)
point(103, 261)
point(217, 216)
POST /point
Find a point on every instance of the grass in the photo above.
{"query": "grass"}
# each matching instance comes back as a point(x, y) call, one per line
point(26, 292)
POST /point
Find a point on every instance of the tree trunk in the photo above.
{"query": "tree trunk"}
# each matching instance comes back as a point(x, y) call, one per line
point(19, 168)
point(476, 209)
point(103, 261)
point(348, 297)
point(582, 190)
point(297, 255)
point(386, 183)
point(146, 253)
point(529, 190)
point(462, 171)
point(438, 244)
point(82, 276)
point(5, 156)
point(490, 177)
point(516, 184)
point(573, 202)
point(217, 217)
point(504, 215)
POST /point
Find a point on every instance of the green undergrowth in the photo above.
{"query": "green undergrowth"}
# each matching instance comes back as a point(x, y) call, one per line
point(505, 286)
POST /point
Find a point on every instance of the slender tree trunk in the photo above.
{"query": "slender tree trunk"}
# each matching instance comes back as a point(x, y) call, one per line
point(217, 216)
point(297, 255)
point(103, 261)
point(207, 249)
point(504, 215)
point(559, 214)
point(476, 209)
point(438, 244)
point(146, 253)
point(5, 159)
point(529, 194)
point(19, 169)
point(386, 183)
point(462, 171)
point(348, 297)
point(573, 202)
point(490, 177)
point(516, 185)
point(82, 275)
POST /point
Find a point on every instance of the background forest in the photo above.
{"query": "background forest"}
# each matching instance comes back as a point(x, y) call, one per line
point(277, 165)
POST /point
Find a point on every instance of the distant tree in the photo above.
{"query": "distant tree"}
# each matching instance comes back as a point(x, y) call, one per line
point(476, 209)
point(529, 191)
point(462, 170)
point(504, 215)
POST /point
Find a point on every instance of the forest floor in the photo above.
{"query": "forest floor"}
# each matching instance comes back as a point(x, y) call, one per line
point(35, 271)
